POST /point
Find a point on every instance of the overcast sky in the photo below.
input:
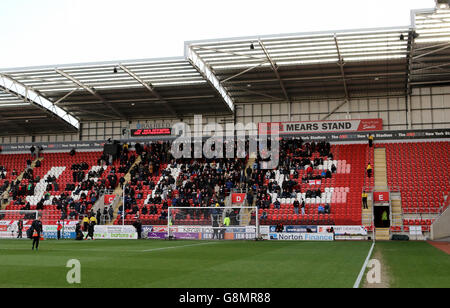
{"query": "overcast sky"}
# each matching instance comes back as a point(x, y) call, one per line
point(48, 32)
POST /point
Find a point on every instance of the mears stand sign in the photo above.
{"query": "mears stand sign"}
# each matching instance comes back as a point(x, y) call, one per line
point(332, 126)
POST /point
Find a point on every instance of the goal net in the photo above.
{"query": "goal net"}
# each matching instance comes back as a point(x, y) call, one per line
point(213, 223)
point(9, 223)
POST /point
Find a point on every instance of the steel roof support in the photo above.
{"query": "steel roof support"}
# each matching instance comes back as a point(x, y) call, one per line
point(66, 96)
point(150, 89)
point(93, 92)
point(277, 74)
point(208, 74)
point(258, 93)
point(32, 96)
point(446, 46)
point(245, 71)
point(341, 64)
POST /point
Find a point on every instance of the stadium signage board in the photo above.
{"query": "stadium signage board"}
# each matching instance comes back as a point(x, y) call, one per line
point(157, 235)
point(344, 230)
point(296, 229)
point(237, 198)
point(115, 232)
point(308, 137)
point(415, 230)
point(381, 197)
point(151, 132)
point(332, 126)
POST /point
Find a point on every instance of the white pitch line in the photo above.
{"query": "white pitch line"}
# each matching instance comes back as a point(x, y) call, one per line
point(109, 250)
point(173, 247)
point(363, 269)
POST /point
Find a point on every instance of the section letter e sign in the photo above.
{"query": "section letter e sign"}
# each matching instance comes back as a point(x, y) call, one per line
point(381, 197)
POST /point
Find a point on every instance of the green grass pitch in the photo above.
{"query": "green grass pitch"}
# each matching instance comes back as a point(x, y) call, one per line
point(203, 264)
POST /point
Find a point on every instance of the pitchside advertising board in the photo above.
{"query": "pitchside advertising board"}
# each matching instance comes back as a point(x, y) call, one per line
point(243, 233)
point(115, 233)
point(338, 230)
point(8, 229)
point(301, 237)
point(198, 232)
point(336, 126)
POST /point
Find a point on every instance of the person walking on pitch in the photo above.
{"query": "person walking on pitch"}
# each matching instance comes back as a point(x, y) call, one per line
point(36, 227)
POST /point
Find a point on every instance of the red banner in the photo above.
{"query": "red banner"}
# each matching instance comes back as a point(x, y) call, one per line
point(332, 126)
point(109, 199)
point(237, 198)
point(381, 197)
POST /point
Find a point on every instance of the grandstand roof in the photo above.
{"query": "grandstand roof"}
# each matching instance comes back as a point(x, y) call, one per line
point(216, 74)
point(290, 67)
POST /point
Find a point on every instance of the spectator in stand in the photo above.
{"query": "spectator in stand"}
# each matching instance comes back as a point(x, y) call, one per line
point(277, 204)
point(333, 168)
point(32, 151)
point(296, 206)
point(327, 209)
point(369, 170)
point(364, 200)
point(111, 213)
point(321, 209)
point(264, 215)
point(370, 140)
point(250, 198)
point(303, 207)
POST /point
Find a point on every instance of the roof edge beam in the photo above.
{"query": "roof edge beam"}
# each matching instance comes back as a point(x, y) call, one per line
point(30, 95)
point(207, 73)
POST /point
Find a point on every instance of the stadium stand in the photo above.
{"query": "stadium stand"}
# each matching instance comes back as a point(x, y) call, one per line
point(392, 88)
point(65, 186)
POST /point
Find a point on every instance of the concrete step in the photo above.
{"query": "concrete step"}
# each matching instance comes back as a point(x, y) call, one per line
point(382, 234)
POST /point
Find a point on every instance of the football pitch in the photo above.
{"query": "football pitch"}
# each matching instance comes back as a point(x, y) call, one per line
point(215, 264)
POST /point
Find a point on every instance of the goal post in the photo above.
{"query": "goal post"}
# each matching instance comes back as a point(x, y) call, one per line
point(9, 220)
point(213, 223)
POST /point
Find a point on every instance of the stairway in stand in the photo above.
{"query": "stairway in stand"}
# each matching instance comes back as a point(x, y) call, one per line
point(381, 184)
point(367, 214)
point(119, 191)
point(380, 171)
point(19, 178)
point(396, 208)
point(382, 234)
